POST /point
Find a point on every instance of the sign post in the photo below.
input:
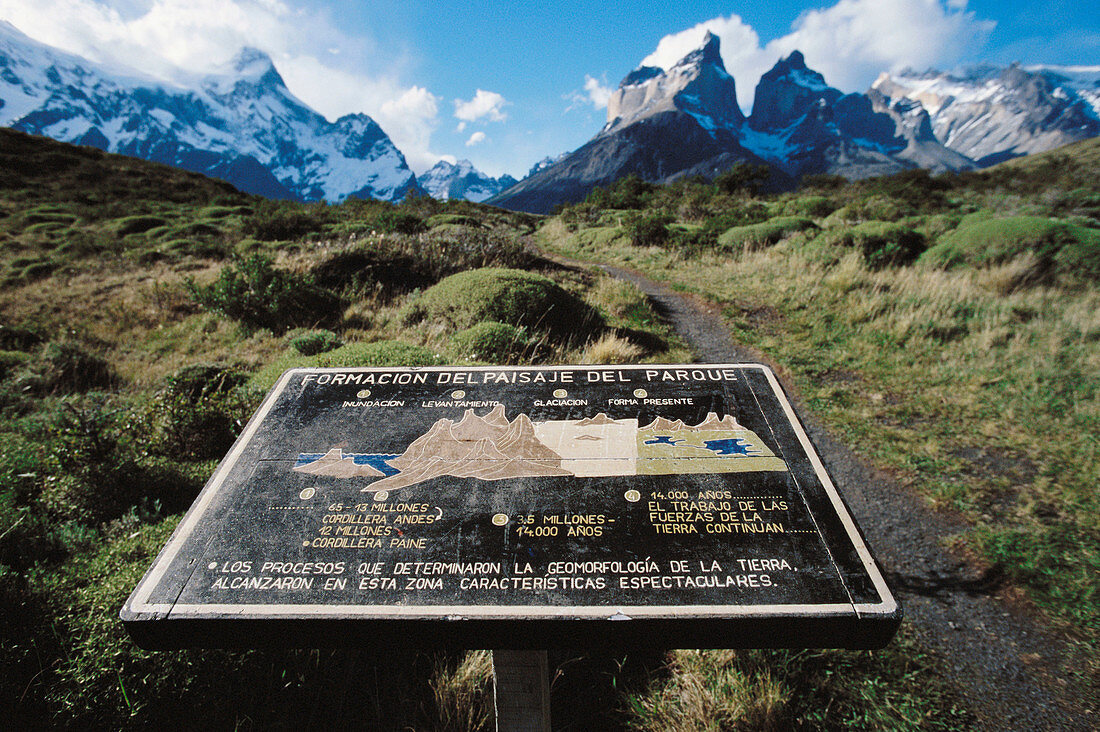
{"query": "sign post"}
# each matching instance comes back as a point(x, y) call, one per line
point(519, 508)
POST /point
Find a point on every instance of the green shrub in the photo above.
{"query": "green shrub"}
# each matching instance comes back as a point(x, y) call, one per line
point(882, 244)
point(763, 234)
point(15, 338)
point(258, 295)
point(649, 230)
point(627, 193)
point(394, 221)
point(397, 263)
point(315, 341)
point(379, 353)
point(452, 219)
point(750, 213)
point(1061, 250)
point(743, 177)
point(872, 208)
point(199, 412)
point(490, 341)
point(285, 221)
point(97, 474)
point(200, 380)
point(12, 360)
point(811, 206)
point(65, 366)
point(38, 270)
point(507, 296)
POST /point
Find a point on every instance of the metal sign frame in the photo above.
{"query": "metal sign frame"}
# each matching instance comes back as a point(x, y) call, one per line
point(174, 605)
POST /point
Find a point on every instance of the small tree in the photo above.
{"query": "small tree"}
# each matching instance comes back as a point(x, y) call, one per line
point(743, 178)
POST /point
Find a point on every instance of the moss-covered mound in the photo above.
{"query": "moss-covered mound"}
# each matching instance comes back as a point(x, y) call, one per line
point(882, 243)
point(490, 341)
point(763, 234)
point(378, 353)
point(511, 296)
point(1061, 249)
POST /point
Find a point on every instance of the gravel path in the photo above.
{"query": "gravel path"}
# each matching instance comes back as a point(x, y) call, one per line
point(1004, 663)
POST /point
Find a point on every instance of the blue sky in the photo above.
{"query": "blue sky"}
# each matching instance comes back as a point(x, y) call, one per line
point(507, 84)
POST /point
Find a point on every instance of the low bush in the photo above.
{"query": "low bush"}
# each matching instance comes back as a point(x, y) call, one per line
point(743, 178)
point(395, 221)
point(397, 263)
point(882, 244)
point(1060, 250)
point(763, 234)
point(255, 293)
point(376, 354)
point(315, 341)
point(97, 472)
point(379, 353)
point(870, 208)
point(66, 367)
point(199, 412)
point(490, 341)
point(453, 219)
point(285, 221)
point(627, 193)
point(12, 360)
point(511, 296)
point(811, 206)
point(15, 338)
point(649, 230)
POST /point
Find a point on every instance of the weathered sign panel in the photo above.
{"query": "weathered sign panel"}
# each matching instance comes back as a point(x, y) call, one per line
point(519, 507)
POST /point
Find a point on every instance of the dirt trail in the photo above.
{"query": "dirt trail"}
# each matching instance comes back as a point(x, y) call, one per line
point(1006, 665)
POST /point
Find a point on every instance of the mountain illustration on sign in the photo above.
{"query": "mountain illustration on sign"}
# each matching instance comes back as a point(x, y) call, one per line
point(492, 447)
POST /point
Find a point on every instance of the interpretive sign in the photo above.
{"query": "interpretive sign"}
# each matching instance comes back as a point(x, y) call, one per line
point(519, 507)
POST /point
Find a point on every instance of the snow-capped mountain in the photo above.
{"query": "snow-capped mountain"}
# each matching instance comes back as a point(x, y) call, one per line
point(802, 125)
point(991, 114)
point(698, 84)
point(545, 163)
point(242, 124)
point(661, 125)
point(462, 180)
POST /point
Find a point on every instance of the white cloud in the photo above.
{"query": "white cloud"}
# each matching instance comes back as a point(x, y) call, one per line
point(849, 42)
point(476, 139)
point(484, 105)
point(163, 37)
point(598, 94)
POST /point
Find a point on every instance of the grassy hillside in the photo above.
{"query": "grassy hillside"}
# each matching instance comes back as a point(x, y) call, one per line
point(144, 311)
point(948, 327)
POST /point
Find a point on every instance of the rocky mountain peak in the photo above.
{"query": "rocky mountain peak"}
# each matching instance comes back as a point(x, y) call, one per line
point(250, 61)
point(990, 114)
point(787, 92)
point(697, 84)
point(709, 52)
point(461, 180)
point(239, 123)
point(794, 61)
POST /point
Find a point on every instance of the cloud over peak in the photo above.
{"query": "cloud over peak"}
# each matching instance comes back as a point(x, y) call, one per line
point(849, 42)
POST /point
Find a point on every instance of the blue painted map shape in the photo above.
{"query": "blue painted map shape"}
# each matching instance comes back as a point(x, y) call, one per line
point(730, 446)
point(662, 440)
point(376, 461)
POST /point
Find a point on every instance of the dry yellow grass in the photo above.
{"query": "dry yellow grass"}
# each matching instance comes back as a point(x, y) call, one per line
point(463, 693)
point(610, 348)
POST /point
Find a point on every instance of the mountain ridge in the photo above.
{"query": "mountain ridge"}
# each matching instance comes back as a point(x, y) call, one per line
point(241, 124)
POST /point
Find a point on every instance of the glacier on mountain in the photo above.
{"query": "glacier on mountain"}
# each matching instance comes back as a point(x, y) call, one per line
point(240, 123)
